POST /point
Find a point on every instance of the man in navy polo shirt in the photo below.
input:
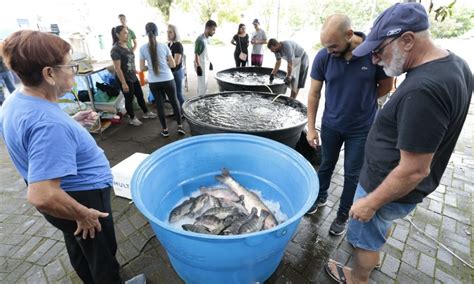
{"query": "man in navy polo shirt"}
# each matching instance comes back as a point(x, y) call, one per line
point(414, 134)
point(353, 85)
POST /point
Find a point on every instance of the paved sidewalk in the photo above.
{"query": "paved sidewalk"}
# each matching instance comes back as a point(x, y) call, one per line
point(32, 251)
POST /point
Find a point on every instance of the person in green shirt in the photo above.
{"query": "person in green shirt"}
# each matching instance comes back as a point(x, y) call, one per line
point(132, 38)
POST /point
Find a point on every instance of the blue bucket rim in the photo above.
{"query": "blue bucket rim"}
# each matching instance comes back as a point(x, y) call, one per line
point(215, 137)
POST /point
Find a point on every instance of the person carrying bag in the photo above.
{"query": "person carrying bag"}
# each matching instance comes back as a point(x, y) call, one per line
point(241, 48)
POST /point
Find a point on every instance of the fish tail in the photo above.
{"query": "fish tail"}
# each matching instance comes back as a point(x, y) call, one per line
point(221, 178)
point(224, 176)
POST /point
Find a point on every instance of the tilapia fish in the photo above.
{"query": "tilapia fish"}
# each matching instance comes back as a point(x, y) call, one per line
point(254, 224)
point(233, 229)
point(239, 205)
point(196, 228)
point(214, 224)
point(181, 210)
point(220, 193)
point(250, 199)
point(221, 212)
point(203, 203)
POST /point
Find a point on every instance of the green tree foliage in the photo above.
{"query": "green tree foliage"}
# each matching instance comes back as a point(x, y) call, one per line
point(268, 11)
point(225, 10)
point(442, 12)
point(163, 5)
point(362, 13)
point(459, 22)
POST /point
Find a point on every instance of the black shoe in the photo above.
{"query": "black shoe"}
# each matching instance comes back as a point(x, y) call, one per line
point(338, 226)
point(181, 130)
point(164, 133)
point(318, 203)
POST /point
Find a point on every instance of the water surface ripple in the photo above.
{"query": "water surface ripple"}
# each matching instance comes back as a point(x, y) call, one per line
point(246, 111)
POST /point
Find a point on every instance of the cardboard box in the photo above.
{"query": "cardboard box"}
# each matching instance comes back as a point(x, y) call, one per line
point(123, 173)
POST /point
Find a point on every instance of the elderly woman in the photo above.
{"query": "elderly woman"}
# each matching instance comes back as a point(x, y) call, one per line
point(68, 176)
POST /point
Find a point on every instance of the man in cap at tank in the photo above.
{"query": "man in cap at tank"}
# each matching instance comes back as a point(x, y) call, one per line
point(352, 86)
point(413, 136)
point(297, 63)
point(259, 38)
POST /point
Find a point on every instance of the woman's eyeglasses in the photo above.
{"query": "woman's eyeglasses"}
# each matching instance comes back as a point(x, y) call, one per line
point(74, 67)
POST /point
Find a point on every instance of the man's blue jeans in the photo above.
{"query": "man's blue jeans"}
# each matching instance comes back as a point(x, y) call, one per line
point(331, 143)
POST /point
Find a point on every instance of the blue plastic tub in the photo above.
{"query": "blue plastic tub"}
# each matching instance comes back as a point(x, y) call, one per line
point(176, 170)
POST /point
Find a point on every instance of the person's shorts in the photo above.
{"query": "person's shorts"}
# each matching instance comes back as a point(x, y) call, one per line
point(256, 59)
point(371, 235)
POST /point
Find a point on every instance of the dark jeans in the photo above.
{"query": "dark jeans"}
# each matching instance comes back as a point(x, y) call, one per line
point(239, 62)
point(178, 80)
point(331, 143)
point(159, 89)
point(135, 89)
point(93, 259)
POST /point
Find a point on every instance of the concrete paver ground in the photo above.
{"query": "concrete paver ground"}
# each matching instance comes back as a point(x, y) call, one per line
point(33, 251)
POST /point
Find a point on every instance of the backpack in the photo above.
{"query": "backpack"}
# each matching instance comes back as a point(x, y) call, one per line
point(110, 90)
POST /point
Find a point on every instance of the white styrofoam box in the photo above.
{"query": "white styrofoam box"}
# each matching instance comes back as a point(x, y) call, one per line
point(123, 172)
point(112, 106)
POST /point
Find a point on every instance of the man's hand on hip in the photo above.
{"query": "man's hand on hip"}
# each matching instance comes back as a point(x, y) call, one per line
point(362, 210)
point(88, 225)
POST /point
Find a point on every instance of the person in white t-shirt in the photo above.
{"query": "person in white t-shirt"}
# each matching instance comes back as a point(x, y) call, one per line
point(259, 38)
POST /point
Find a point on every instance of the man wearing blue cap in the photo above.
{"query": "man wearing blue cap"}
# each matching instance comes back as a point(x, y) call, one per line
point(352, 86)
point(413, 136)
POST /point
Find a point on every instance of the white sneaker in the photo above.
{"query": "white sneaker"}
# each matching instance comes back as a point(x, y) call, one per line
point(149, 115)
point(135, 122)
point(139, 279)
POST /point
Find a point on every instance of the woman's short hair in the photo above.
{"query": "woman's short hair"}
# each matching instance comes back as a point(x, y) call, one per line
point(27, 52)
point(177, 37)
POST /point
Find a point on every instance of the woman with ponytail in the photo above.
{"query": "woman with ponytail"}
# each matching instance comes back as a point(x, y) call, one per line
point(159, 62)
point(124, 63)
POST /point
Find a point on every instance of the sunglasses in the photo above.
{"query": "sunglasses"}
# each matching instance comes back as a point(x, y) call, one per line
point(378, 51)
point(74, 67)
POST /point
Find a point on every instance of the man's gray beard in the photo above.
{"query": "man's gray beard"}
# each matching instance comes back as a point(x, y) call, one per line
point(396, 67)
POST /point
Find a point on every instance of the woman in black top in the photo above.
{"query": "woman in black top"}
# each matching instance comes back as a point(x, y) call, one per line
point(241, 42)
point(124, 63)
point(177, 51)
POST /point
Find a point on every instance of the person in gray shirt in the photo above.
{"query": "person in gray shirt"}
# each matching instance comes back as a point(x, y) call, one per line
point(259, 38)
point(297, 68)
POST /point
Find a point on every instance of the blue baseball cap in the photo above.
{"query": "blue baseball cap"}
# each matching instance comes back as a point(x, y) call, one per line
point(399, 18)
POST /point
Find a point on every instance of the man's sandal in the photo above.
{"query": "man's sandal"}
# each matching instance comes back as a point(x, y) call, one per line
point(340, 277)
